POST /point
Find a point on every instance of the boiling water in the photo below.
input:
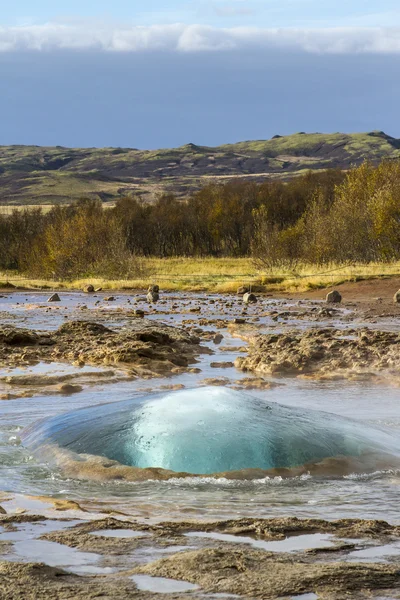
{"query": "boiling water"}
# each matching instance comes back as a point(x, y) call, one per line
point(212, 430)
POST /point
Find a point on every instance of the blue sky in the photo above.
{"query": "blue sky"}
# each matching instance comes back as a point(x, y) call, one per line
point(161, 74)
point(265, 13)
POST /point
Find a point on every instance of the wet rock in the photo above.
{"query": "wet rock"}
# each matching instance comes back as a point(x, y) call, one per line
point(36, 581)
point(54, 298)
point(83, 328)
point(152, 297)
point(334, 297)
point(14, 336)
point(88, 289)
point(239, 321)
point(259, 574)
point(215, 381)
point(68, 389)
point(323, 352)
point(148, 347)
point(109, 299)
point(233, 349)
point(218, 338)
point(153, 294)
point(172, 387)
point(139, 313)
point(221, 365)
point(255, 383)
point(250, 298)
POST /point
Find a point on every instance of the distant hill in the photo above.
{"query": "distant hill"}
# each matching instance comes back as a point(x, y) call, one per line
point(41, 175)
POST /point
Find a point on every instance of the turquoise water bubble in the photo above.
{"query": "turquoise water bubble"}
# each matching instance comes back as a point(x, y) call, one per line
point(210, 430)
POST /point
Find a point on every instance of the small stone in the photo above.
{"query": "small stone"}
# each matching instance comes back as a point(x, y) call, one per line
point(221, 365)
point(54, 298)
point(138, 313)
point(334, 297)
point(109, 299)
point(218, 338)
point(396, 297)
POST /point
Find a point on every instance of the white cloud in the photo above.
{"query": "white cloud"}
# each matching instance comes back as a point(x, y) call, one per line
point(197, 38)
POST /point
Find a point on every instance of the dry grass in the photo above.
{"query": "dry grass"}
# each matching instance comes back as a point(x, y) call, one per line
point(219, 275)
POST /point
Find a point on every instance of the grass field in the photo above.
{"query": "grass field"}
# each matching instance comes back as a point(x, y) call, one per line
point(218, 275)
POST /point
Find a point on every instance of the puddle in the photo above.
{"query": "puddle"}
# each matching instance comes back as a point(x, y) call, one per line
point(55, 555)
point(119, 533)
point(27, 548)
point(291, 544)
point(51, 368)
point(161, 585)
point(375, 553)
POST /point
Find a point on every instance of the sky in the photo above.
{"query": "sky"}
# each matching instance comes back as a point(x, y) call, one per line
point(155, 74)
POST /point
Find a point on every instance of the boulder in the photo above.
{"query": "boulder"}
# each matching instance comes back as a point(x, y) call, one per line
point(242, 290)
point(88, 289)
point(334, 297)
point(218, 338)
point(249, 298)
point(54, 298)
point(396, 297)
point(153, 296)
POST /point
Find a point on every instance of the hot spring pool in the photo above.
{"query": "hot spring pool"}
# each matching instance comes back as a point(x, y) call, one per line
point(211, 430)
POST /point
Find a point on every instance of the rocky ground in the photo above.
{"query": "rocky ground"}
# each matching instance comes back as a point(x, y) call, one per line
point(325, 354)
point(145, 345)
point(230, 563)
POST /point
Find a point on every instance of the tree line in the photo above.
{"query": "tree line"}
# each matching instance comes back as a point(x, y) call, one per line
point(317, 217)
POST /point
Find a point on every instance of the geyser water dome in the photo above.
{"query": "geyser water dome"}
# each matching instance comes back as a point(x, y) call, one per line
point(208, 431)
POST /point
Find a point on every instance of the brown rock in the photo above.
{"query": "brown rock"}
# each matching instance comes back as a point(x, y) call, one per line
point(68, 389)
point(54, 298)
point(334, 297)
point(250, 298)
